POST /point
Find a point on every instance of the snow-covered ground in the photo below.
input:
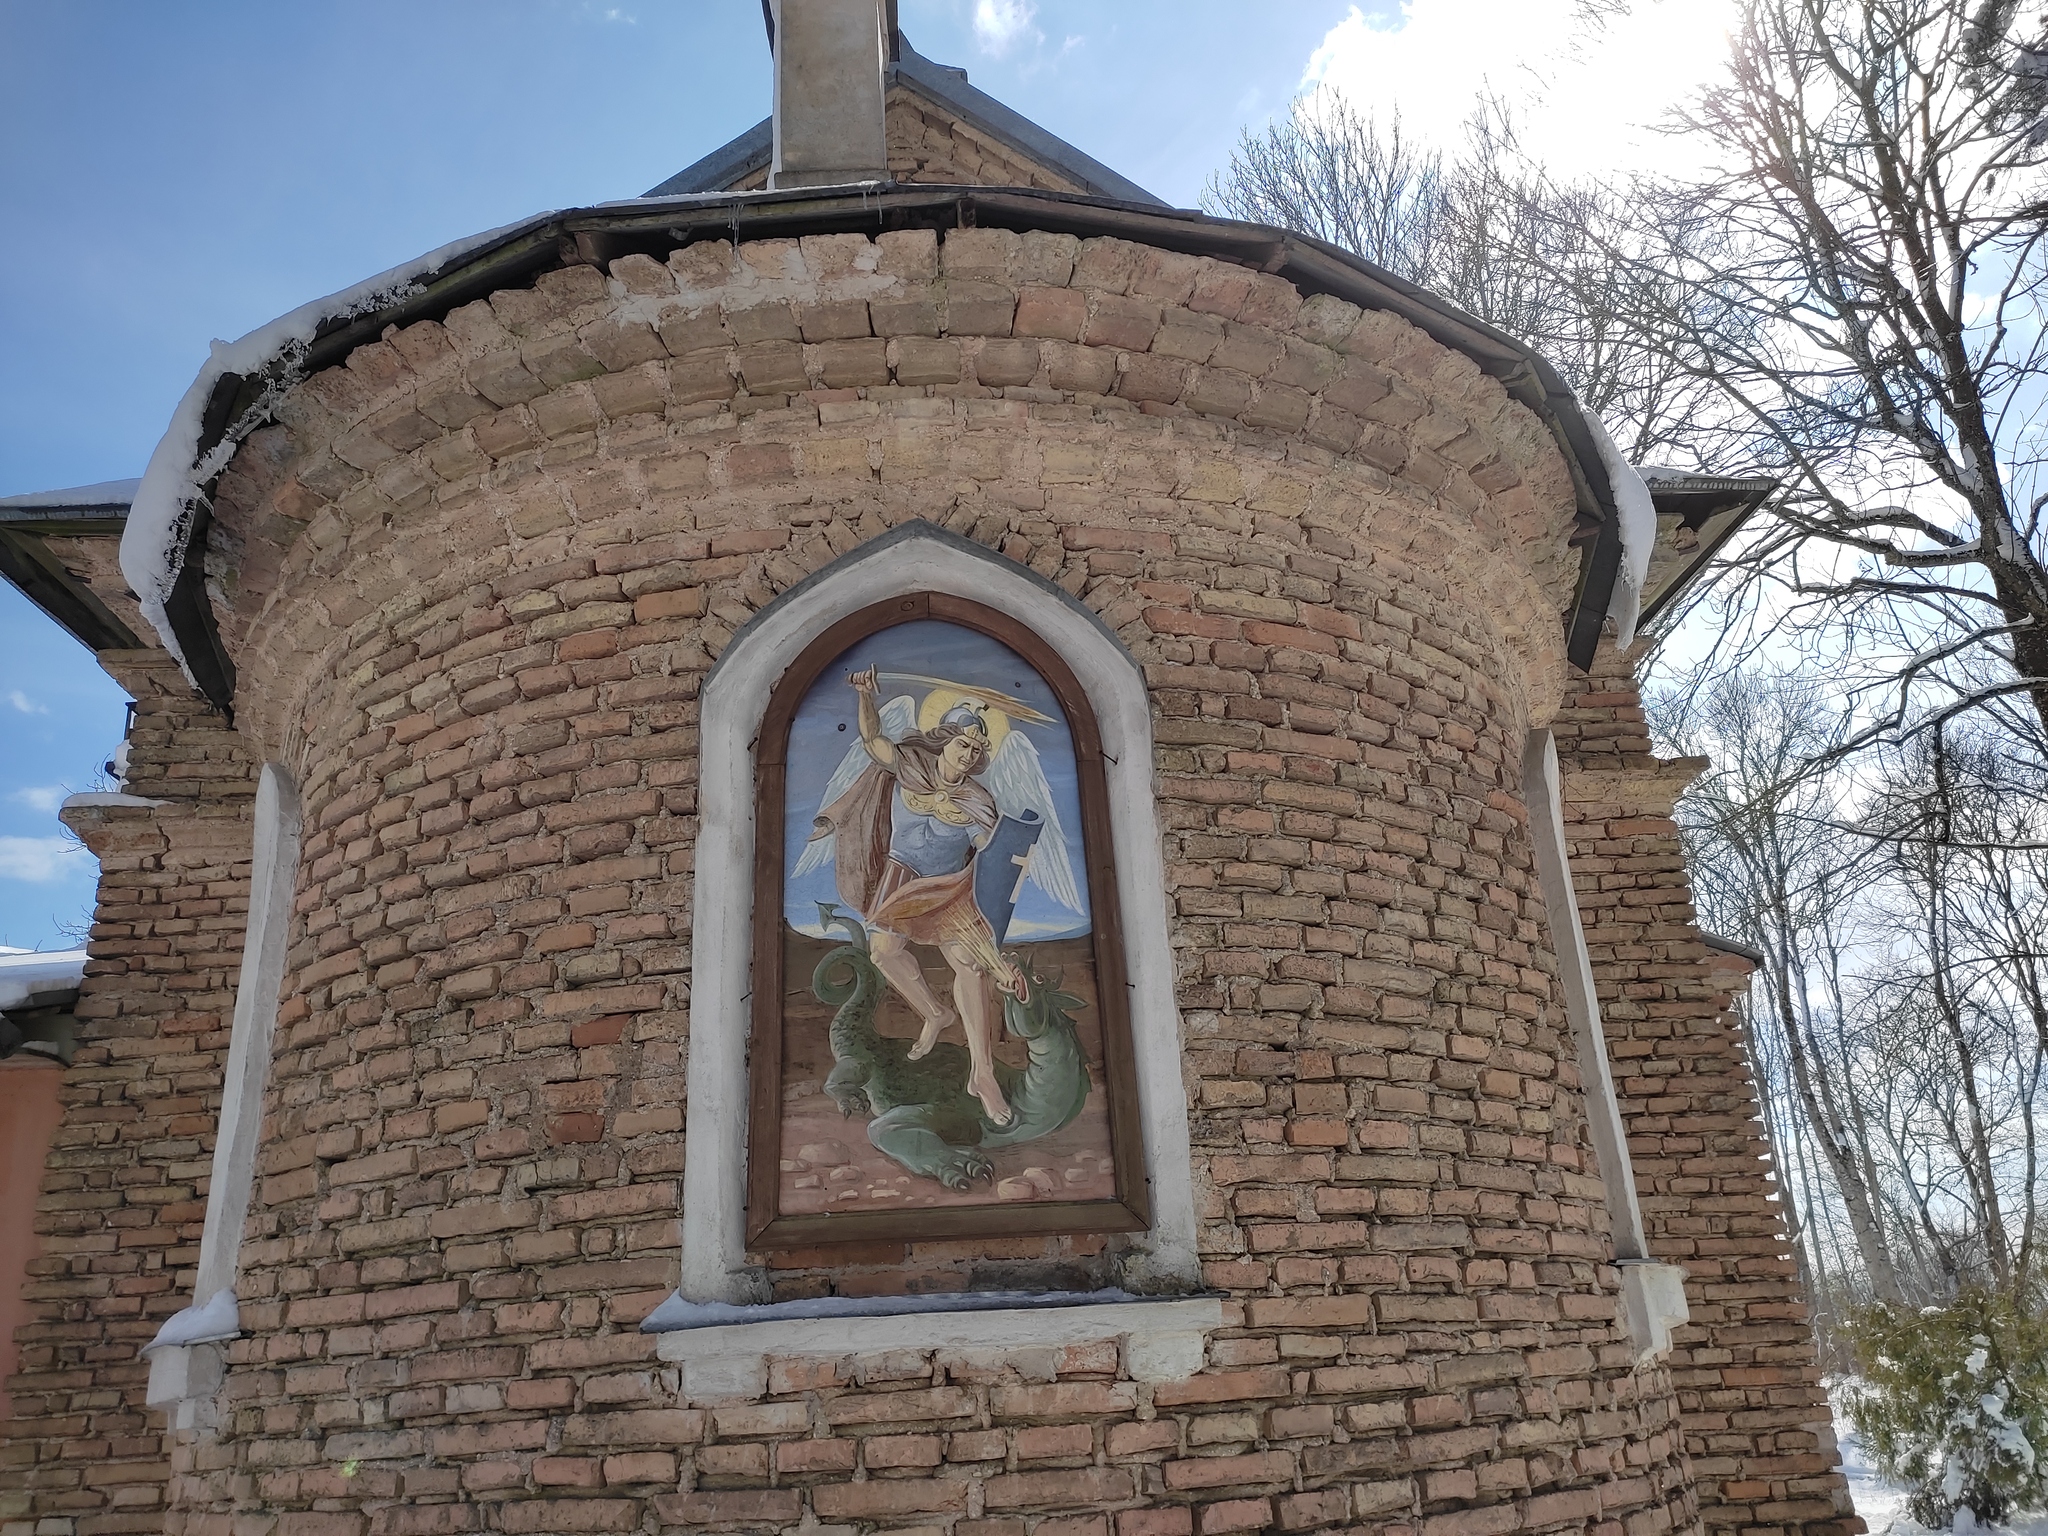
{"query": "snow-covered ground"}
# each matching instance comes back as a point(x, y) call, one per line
point(1882, 1504)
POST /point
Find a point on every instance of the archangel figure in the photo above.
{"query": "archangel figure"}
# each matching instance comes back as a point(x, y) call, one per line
point(908, 821)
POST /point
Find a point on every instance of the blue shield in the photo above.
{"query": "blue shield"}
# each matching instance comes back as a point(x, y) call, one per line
point(999, 869)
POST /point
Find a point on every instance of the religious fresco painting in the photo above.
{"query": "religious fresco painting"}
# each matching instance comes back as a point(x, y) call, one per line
point(945, 1024)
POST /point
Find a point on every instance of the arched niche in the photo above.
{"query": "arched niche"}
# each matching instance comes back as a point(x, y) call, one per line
point(913, 560)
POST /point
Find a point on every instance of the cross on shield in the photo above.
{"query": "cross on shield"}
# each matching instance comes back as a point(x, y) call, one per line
point(1001, 868)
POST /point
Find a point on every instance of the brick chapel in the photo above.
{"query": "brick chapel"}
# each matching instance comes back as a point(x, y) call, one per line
point(508, 1089)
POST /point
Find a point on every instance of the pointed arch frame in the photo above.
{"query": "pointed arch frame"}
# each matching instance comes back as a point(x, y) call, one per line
point(916, 557)
point(1127, 1210)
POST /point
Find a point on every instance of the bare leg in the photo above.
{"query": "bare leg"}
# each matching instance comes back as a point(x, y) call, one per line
point(892, 957)
point(971, 996)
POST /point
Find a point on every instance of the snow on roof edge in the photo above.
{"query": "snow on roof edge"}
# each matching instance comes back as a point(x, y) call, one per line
point(218, 1317)
point(165, 498)
point(1638, 516)
point(108, 493)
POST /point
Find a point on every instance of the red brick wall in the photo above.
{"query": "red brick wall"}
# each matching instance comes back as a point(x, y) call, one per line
point(477, 578)
point(1756, 1420)
point(469, 1179)
point(123, 1197)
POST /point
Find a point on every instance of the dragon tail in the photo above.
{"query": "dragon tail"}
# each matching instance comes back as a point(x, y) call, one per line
point(846, 979)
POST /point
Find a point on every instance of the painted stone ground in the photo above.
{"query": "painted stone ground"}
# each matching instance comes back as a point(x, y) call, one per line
point(828, 1164)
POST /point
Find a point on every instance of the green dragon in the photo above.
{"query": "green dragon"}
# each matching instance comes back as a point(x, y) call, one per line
point(922, 1115)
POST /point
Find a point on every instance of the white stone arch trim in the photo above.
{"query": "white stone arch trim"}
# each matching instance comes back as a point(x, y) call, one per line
point(185, 1356)
point(916, 557)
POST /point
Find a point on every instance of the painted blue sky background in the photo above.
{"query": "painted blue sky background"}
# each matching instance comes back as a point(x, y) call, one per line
point(170, 173)
point(826, 726)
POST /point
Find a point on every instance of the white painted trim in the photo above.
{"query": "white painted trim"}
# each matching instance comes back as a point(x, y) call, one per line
point(176, 1363)
point(183, 1382)
point(916, 558)
point(1162, 1340)
point(1652, 1304)
point(1543, 795)
point(1653, 1294)
point(272, 879)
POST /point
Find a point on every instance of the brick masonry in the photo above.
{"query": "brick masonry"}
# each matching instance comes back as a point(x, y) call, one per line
point(472, 582)
point(124, 1191)
point(1757, 1422)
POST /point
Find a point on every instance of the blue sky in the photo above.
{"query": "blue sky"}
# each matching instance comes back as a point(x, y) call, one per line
point(173, 173)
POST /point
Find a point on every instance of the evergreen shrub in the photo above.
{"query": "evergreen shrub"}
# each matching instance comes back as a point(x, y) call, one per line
point(1953, 1403)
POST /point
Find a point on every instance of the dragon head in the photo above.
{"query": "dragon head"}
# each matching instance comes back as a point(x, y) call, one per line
point(1040, 1006)
point(830, 917)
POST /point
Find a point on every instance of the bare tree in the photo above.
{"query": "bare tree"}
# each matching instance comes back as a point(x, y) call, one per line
point(1485, 228)
point(1853, 301)
point(1898, 1026)
point(1768, 866)
point(1958, 828)
point(1877, 219)
point(1334, 173)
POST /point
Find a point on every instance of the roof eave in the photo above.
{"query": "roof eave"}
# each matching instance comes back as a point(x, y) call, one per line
point(27, 563)
point(600, 234)
point(1716, 506)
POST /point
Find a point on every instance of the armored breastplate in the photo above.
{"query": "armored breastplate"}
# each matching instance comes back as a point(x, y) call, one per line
point(927, 843)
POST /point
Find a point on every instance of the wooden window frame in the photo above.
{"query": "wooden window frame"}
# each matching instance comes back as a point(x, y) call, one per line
point(1129, 1210)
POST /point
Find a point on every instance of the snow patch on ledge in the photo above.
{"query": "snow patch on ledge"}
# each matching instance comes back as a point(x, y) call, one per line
point(108, 800)
point(676, 1315)
point(1638, 515)
point(32, 973)
point(160, 517)
point(219, 1318)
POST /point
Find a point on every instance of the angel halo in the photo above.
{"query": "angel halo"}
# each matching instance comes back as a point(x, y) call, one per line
point(1014, 773)
point(932, 963)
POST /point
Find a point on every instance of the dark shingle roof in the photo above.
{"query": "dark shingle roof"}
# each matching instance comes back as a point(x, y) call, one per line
point(947, 88)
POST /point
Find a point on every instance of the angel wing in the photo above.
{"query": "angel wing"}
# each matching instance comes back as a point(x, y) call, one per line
point(899, 719)
point(1017, 780)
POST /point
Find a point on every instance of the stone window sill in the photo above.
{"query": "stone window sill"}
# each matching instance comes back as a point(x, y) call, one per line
point(724, 1350)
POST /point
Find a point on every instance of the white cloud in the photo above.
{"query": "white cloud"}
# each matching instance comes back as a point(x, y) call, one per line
point(1584, 100)
point(40, 797)
point(24, 703)
point(40, 859)
point(999, 24)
